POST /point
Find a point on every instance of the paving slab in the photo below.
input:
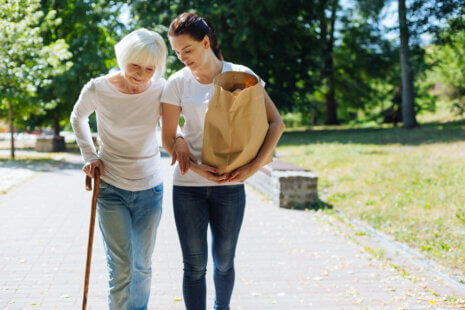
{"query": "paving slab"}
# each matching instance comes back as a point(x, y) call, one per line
point(286, 259)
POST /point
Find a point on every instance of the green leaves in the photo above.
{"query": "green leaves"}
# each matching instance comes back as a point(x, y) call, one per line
point(25, 61)
point(447, 69)
point(52, 53)
point(90, 29)
point(277, 39)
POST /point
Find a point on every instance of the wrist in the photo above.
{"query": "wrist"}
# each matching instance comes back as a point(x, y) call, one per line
point(178, 139)
point(179, 134)
point(175, 144)
point(92, 160)
point(256, 164)
point(193, 166)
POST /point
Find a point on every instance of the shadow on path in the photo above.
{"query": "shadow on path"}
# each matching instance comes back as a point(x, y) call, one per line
point(38, 164)
point(318, 205)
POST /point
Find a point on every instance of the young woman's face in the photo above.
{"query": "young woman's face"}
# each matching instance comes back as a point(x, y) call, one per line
point(190, 52)
point(138, 75)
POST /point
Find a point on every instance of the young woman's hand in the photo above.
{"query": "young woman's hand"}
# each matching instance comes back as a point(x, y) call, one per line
point(243, 173)
point(209, 173)
point(182, 154)
point(90, 166)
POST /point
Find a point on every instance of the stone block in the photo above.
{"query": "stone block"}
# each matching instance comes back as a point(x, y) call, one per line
point(287, 185)
point(50, 144)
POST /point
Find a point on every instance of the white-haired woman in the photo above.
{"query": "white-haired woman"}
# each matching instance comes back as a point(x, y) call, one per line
point(127, 106)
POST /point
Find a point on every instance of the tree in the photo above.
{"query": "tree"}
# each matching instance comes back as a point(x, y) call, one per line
point(91, 29)
point(408, 103)
point(366, 69)
point(277, 39)
point(26, 62)
point(327, 31)
point(419, 21)
point(310, 62)
point(447, 72)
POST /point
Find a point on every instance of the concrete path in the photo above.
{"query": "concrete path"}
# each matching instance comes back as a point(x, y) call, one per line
point(286, 259)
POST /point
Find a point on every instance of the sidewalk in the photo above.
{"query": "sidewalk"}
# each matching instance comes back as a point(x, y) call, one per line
point(286, 259)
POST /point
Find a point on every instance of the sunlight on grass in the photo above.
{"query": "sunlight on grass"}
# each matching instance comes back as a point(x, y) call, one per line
point(406, 183)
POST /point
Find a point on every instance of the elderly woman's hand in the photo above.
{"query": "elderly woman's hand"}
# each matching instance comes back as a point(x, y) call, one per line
point(90, 166)
point(182, 154)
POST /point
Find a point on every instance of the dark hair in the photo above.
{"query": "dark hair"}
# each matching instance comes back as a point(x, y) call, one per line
point(196, 27)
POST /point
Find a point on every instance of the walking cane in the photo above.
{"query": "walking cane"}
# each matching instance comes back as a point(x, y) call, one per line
point(91, 230)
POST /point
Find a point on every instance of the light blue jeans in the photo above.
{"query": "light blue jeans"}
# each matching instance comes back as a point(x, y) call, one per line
point(128, 222)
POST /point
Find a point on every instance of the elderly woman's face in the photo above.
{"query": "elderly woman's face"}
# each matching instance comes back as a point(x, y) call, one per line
point(137, 74)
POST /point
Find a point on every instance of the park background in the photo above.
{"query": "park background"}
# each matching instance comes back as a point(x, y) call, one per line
point(372, 93)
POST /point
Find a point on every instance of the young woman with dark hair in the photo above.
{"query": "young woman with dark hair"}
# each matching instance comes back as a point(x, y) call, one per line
point(200, 196)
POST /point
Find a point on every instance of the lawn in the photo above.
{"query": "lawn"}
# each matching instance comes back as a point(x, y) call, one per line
point(408, 183)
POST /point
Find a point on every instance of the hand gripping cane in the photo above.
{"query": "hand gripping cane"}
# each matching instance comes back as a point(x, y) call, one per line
point(91, 230)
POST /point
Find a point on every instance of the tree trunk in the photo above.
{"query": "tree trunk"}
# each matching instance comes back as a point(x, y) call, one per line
point(328, 70)
point(12, 130)
point(56, 123)
point(408, 100)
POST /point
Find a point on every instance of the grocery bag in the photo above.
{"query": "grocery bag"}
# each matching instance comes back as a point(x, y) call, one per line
point(235, 123)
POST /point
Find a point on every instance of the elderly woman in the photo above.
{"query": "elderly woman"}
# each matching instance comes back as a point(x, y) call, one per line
point(127, 106)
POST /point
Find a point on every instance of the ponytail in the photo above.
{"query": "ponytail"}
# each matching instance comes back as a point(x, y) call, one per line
point(213, 40)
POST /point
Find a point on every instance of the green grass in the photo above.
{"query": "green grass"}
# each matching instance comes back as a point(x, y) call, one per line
point(408, 183)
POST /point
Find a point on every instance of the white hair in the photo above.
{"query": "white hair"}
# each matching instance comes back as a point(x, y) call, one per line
point(142, 47)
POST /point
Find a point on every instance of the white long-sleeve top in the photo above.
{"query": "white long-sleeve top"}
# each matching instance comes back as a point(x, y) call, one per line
point(126, 124)
point(183, 90)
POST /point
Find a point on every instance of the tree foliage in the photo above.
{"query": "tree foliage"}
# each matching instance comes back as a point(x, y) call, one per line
point(277, 39)
point(26, 61)
point(328, 60)
point(91, 29)
point(367, 72)
point(447, 69)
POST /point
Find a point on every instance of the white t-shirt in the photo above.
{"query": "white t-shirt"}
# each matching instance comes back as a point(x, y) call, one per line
point(183, 90)
point(126, 123)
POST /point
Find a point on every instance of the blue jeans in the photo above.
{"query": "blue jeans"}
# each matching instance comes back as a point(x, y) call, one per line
point(194, 208)
point(129, 221)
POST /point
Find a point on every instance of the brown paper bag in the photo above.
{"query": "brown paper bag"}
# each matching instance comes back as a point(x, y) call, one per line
point(235, 123)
